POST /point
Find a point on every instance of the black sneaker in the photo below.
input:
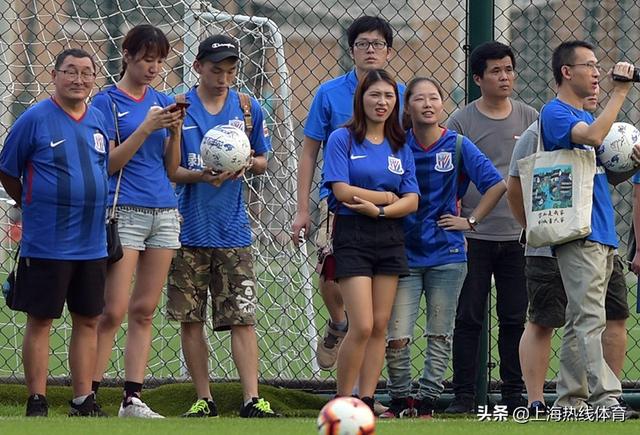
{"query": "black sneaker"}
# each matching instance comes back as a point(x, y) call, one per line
point(88, 408)
point(538, 410)
point(461, 405)
point(258, 408)
point(513, 402)
point(400, 407)
point(425, 407)
point(202, 408)
point(370, 402)
point(37, 406)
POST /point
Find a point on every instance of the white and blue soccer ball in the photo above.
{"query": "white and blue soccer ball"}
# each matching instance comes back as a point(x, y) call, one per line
point(617, 147)
point(225, 148)
point(346, 416)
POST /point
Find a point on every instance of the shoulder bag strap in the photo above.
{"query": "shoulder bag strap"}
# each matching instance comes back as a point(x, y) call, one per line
point(245, 105)
point(112, 215)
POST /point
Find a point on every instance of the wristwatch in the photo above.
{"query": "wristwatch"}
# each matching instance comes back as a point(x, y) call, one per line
point(380, 211)
point(473, 223)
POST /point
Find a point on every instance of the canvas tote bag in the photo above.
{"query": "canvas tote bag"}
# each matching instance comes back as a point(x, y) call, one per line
point(557, 189)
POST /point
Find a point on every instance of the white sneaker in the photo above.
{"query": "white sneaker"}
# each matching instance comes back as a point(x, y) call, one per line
point(137, 408)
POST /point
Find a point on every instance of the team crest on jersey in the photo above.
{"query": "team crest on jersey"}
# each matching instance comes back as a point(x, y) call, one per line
point(395, 165)
point(444, 162)
point(98, 142)
point(237, 123)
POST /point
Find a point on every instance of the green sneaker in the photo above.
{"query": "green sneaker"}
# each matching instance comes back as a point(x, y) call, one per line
point(202, 408)
point(258, 408)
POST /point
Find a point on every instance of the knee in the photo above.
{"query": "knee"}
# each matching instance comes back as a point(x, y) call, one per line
point(398, 344)
point(141, 313)
point(112, 316)
point(39, 323)
point(360, 332)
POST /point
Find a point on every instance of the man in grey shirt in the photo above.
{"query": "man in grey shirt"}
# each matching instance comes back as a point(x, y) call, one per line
point(546, 294)
point(493, 123)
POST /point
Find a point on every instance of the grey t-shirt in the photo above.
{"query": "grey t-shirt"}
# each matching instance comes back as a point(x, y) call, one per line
point(496, 139)
point(525, 146)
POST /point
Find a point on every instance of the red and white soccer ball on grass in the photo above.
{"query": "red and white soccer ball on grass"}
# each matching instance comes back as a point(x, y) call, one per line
point(346, 416)
point(617, 147)
point(225, 148)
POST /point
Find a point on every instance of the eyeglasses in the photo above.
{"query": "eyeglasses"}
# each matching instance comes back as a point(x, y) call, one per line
point(592, 66)
point(364, 45)
point(70, 74)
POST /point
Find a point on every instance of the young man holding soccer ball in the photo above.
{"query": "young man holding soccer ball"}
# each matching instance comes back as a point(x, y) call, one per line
point(216, 236)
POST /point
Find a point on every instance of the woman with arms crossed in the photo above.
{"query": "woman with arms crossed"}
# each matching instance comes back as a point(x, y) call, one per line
point(370, 172)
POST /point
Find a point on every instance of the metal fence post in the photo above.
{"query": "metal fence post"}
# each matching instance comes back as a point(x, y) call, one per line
point(480, 18)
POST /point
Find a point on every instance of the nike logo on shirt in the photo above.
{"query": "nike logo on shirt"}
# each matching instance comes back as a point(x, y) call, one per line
point(189, 127)
point(55, 144)
point(120, 115)
point(357, 157)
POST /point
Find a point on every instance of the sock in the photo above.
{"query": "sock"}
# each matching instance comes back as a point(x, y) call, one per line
point(339, 326)
point(248, 402)
point(78, 400)
point(131, 389)
point(94, 386)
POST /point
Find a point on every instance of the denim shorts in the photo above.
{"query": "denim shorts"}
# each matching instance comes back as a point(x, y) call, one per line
point(141, 227)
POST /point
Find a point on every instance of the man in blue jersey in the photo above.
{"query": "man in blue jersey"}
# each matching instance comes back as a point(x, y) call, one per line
point(54, 165)
point(493, 122)
point(547, 296)
point(585, 265)
point(370, 42)
point(216, 236)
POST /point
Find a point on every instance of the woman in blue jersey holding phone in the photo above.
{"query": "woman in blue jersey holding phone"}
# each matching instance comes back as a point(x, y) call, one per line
point(370, 173)
point(445, 164)
point(145, 134)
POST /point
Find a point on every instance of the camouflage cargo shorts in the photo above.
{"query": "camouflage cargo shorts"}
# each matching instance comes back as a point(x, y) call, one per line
point(225, 273)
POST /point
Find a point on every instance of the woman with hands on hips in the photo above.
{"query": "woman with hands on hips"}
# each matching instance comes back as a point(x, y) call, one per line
point(445, 164)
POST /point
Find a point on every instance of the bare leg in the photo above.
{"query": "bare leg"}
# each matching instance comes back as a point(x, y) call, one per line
point(116, 302)
point(358, 300)
point(384, 292)
point(35, 354)
point(82, 352)
point(196, 356)
point(614, 345)
point(153, 267)
point(244, 348)
point(535, 349)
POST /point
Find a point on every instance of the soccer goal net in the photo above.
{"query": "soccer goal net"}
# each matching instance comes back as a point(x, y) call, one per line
point(34, 32)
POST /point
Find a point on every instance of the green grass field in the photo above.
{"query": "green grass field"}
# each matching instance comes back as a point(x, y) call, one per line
point(300, 408)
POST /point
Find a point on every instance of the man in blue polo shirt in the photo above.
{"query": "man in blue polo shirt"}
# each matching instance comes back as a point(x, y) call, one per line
point(585, 265)
point(54, 165)
point(370, 42)
point(216, 236)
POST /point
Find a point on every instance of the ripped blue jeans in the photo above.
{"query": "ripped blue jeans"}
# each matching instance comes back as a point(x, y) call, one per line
point(441, 286)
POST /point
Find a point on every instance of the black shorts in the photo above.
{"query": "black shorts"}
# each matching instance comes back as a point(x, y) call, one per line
point(43, 286)
point(547, 299)
point(364, 246)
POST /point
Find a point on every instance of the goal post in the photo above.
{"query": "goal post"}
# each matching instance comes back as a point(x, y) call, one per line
point(286, 327)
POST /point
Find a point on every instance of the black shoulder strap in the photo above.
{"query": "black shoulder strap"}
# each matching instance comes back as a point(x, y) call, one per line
point(245, 105)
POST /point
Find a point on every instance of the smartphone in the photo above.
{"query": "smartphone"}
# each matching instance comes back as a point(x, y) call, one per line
point(180, 106)
point(523, 237)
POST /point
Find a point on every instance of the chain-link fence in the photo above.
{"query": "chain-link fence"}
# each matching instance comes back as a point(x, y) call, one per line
point(288, 48)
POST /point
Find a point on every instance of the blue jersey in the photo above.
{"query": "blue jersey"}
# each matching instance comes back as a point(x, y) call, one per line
point(367, 165)
point(558, 118)
point(216, 217)
point(62, 162)
point(428, 245)
point(144, 178)
point(332, 107)
point(636, 178)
